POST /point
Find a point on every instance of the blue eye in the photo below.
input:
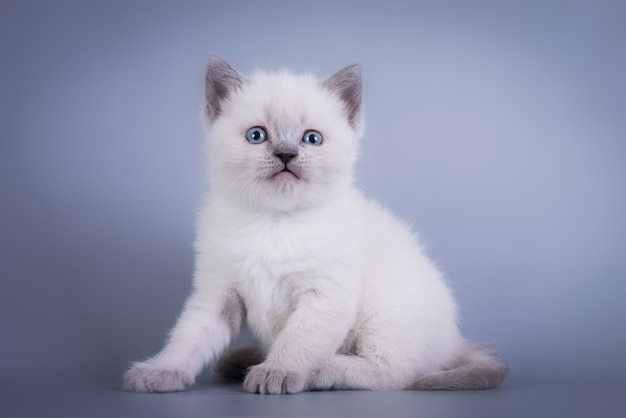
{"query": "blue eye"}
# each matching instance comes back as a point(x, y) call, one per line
point(312, 138)
point(256, 135)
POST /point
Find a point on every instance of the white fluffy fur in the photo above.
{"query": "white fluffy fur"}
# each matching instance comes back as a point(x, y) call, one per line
point(335, 290)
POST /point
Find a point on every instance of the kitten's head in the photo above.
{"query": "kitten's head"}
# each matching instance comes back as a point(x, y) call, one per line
point(281, 141)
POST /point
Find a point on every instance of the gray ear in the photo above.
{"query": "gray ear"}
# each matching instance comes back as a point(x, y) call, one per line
point(346, 83)
point(221, 80)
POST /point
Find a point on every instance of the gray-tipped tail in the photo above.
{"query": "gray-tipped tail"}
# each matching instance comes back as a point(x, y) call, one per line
point(477, 368)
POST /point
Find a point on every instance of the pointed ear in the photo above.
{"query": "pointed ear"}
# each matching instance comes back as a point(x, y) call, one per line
point(221, 80)
point(346, 83)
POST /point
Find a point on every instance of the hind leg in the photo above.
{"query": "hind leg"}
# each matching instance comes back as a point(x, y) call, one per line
point(475, 368)
point(384, 358)
point(354, 372)
point(235, 362)
point(378, 360)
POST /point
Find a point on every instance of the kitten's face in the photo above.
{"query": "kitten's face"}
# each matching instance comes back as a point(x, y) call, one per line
point(282, 142)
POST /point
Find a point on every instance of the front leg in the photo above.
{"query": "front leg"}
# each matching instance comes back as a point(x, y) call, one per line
point(314, 332)
point(202, 332)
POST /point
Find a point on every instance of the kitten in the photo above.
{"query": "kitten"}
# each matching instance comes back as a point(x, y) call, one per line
point(336, 292)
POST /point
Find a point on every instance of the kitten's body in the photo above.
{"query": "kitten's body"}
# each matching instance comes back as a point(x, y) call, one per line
point(336, 292)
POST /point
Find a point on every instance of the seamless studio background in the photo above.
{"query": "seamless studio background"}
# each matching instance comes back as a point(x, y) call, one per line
point(497, 129)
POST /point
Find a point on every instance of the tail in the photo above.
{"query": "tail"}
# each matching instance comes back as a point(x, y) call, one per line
point(476, 368)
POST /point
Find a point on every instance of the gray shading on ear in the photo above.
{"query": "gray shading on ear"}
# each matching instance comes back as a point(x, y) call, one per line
point(221, 80)
point(346, 83)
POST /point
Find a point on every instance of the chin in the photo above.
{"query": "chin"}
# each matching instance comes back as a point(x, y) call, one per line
point(289, 194)
point(284, 183)
point(282, 192)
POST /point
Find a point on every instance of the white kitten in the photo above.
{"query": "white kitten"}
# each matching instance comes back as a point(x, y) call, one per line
point(336, 292)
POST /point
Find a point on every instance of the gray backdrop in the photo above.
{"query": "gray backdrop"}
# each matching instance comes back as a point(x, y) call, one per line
point(496, 128)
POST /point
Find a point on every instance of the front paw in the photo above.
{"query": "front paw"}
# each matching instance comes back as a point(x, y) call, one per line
point(143, 377)
point(267, 380)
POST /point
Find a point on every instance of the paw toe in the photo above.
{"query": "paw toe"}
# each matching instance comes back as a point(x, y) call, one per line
point(146, 378)
point(273, 381)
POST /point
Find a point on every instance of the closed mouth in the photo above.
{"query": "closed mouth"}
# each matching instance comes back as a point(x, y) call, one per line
point(285, 172)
